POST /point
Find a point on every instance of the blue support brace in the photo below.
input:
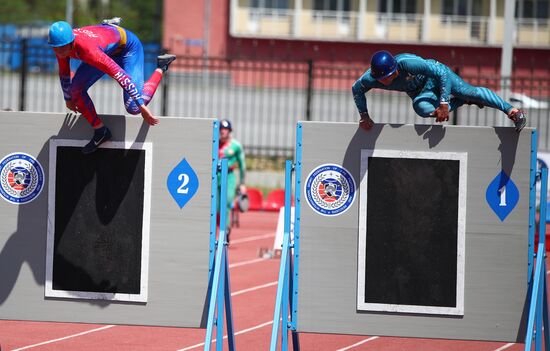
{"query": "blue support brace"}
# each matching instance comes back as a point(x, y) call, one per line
point(282, 301)
point(297, 221)
point(538, 305)
point(213, 200)
point(229, 308)
point(220, 292)
point(545, 308)
point(532, 208)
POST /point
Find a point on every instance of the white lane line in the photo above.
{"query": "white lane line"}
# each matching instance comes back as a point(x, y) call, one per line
point(505, 346)
point(110, 326)
point(257, 287)
point(236, 293)
point(244, 263)
point(358, 343)
point(253, 238)
point(225, 336)
point(64, 338)
point(244, 330)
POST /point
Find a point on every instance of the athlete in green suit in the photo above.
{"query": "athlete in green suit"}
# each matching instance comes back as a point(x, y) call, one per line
point(232, 150)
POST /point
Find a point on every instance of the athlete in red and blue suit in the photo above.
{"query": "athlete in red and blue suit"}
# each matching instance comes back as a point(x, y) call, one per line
point(104, 49)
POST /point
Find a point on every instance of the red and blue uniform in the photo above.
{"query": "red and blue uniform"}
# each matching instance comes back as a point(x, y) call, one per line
point(112, 50)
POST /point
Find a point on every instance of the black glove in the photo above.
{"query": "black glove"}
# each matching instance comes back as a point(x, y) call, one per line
point(366, 122)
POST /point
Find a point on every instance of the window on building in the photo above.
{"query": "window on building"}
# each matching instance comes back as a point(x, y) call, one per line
point(269, 4)
point(532, 9)
point(466, 13)
point(461, 11)
point(455, 8)
point(397, 6)
point(396, 10)
point(331, 5)
point(268, 8)
point(332, 9)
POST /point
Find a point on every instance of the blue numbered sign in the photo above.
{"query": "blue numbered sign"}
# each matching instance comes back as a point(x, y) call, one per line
point(502, 195)
point(182, 183)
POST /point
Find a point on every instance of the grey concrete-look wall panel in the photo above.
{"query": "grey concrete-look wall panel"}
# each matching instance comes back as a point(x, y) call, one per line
point(179, 238)
point(495, 285)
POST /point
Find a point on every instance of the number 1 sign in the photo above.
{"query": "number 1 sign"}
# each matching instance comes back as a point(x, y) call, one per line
point(502, 195)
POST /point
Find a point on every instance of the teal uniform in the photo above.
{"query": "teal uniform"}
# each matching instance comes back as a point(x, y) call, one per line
point(428, 83)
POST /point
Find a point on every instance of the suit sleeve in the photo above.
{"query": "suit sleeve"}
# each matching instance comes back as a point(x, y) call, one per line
point(242, 164)
point(104, 63)
point(360, 88)
point(65, 76)
point(432, 69)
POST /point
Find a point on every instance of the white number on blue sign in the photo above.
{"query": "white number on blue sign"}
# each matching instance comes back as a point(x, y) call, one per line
point(184, 179)
point(502, 192)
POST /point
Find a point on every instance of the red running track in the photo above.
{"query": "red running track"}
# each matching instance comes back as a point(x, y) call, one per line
point(253, 286)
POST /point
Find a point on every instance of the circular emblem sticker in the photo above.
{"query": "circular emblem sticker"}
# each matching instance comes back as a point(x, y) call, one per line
point(21, 178)
point(330, 190)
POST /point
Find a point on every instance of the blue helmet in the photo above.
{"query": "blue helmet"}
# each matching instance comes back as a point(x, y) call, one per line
point(225, 124)
point(382, 65)
point(61, 33)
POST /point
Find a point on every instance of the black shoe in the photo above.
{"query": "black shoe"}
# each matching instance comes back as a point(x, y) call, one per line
point(101, 135)
point(163, 61)
point(228, 235)
point(519, 119)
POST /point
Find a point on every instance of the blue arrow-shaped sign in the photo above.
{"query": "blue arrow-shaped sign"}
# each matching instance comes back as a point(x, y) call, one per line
point(502, 195)
point(182, 183)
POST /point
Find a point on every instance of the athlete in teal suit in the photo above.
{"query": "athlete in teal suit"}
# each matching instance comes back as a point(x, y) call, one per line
point(433, 87)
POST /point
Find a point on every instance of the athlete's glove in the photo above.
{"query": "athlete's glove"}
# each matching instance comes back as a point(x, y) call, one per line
point(366, 122)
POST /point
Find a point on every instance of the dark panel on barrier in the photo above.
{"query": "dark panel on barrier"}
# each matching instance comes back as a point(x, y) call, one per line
point(411, 241)
point(98, 220)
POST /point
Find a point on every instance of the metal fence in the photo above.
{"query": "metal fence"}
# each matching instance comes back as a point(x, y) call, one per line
point(264, 99)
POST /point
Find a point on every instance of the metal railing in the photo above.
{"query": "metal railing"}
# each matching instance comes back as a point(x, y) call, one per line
point(264, 99)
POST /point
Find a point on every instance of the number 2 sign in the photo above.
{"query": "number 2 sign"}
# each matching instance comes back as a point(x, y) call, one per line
point(182, 183)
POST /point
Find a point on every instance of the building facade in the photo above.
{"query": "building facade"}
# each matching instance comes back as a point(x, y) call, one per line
point(451, 22)
point(464, 34)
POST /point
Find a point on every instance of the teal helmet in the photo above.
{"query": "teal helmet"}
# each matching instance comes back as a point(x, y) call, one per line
point(61, 33)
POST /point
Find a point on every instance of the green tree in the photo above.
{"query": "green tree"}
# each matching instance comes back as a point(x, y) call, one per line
point(142, 17)
point(19, 12)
